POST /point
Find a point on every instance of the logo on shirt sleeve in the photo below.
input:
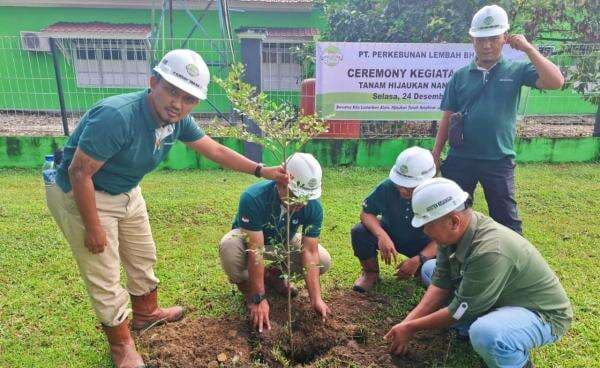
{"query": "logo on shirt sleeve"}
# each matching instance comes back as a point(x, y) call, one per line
point(365, 204)
point(462, 308)
point(245, 219)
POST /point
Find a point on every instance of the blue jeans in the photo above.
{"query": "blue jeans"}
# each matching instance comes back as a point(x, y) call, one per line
point(497, 178)
point(504, 336)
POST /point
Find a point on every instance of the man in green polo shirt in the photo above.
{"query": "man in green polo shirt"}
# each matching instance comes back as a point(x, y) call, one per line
point(487, 154)
point(391, 233)
point(496, 283)
point(259, 231)
point(97, 202)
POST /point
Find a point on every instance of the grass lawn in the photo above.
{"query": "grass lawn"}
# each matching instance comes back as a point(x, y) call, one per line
point(46, 319)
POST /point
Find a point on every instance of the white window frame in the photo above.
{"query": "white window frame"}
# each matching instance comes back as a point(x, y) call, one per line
point(116, 71)
point(280, 72)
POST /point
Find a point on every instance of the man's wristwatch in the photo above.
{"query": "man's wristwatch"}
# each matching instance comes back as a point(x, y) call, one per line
point(257, 298)
point(258, 169)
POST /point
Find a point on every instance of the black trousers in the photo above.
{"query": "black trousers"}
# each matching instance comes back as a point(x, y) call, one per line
point(497, 177)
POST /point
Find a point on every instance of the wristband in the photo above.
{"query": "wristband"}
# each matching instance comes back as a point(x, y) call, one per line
point(258, 169)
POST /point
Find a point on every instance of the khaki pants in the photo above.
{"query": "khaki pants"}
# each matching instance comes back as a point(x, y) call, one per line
point(234, 257)
point(125, 220)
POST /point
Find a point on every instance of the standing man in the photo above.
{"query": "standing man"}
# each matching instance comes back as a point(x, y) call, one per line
point(97, 202)
point(489, 113)
point(494, 280)
point(259, 228)
point(392, 233)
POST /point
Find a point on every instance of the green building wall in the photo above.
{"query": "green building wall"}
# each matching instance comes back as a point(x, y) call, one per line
point(29, 152)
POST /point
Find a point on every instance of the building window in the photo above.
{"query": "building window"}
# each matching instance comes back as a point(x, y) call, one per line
point(280, 71)
point(111, 63)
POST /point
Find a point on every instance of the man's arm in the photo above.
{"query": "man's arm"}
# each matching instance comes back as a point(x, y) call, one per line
point(550, 76)
point(384, 242)
point(310, 261)
point(259, 313)
point(441, 137)
point(434, 298)
point(410, 266)
point(230, 159)
point(426, 315)
point(81, 170)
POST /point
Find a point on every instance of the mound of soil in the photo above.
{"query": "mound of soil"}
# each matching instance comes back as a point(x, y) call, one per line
point(353, 335)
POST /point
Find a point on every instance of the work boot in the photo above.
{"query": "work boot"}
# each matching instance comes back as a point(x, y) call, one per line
point(368, 277)
point(122, 347)
point(146, 312)
point(274, 280)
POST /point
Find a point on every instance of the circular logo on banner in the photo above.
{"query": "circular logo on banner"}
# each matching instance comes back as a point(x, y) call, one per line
point(332, 55)
point(192, 70)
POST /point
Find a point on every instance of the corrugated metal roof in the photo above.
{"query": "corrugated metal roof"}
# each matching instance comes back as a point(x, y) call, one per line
point(292, 32)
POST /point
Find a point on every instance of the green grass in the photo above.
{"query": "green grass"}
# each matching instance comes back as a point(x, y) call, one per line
point(46, 319)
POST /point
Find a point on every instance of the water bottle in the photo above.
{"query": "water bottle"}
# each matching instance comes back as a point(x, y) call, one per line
point(48, 170)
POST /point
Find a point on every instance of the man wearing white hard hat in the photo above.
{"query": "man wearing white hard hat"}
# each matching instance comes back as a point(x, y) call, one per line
point(479, 110)
point(385, 221)
point(98, 204)
point(259, 233)
point(488, 280)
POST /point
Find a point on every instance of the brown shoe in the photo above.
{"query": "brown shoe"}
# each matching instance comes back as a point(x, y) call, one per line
point(281, 286)
point(146, 312)
point(368, 277)
point(122, 347)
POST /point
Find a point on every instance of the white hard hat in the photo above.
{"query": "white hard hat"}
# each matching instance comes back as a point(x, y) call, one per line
point(489, 21)
point(186, 70)
point(435, 198)
point(413, 166)
point(305, 175)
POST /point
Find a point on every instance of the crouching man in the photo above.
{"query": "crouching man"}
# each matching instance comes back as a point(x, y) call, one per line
point(392, 233)
point(260, 227)
point(496, 283)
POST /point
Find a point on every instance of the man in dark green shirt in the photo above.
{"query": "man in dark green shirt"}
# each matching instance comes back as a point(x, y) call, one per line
point(487, 154)
point(98, 204)
point(259, 232)
point(487, 277)
point(391, 233)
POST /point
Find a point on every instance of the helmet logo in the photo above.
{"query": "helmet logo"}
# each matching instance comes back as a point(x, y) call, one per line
point(192, 70)
point(312, 183)
point(404, 169)
point(488, 20)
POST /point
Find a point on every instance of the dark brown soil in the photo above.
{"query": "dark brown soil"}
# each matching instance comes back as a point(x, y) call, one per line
point(352, 336)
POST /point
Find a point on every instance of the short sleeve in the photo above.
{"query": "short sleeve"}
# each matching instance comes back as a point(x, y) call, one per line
point(313, 220)
point(484, 279)
point(375, 201)
point(250, 217)
point(449, 101)
point(529, 75)
point(190, 131)
point(105, 133)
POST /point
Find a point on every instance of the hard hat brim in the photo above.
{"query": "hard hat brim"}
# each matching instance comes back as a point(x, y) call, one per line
point(309, 194)
point(487, 32)
point(194, 91)
point(417, 221)
point(404, 181)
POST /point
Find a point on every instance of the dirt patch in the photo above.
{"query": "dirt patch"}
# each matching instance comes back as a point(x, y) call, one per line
point(352, 336)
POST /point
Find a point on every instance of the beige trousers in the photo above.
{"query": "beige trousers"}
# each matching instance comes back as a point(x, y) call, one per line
point(125, 220)
point(234, 257)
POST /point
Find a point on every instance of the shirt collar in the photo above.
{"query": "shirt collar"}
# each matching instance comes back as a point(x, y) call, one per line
point(464, 244)
point(473, 65)
point(149, 119)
